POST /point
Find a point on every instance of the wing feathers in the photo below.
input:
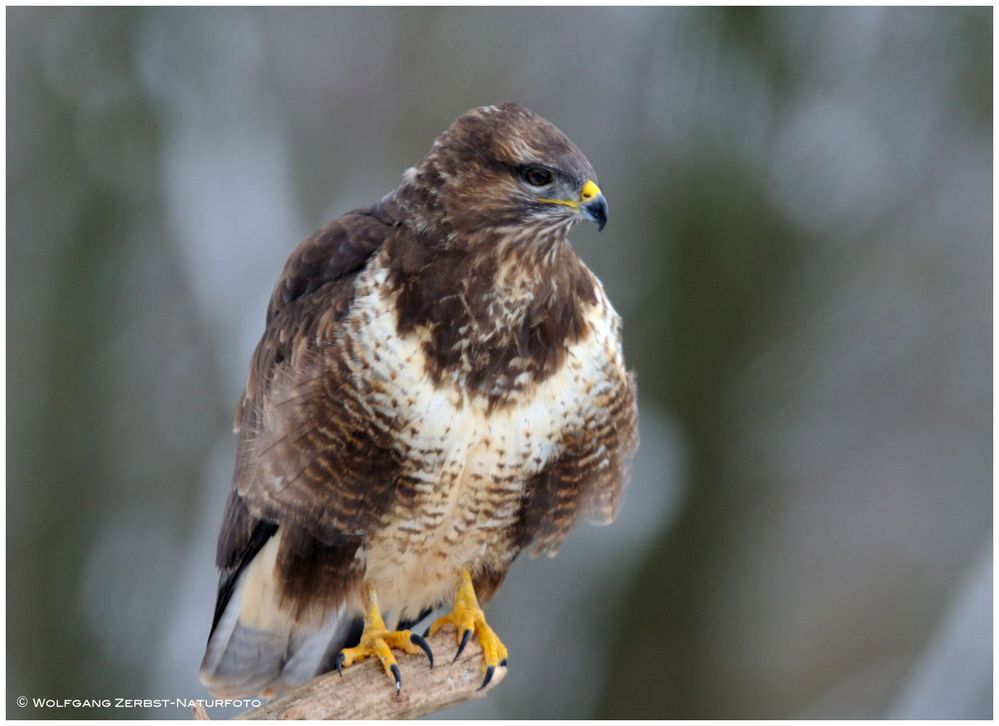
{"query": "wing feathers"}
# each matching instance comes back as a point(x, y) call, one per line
point(286, 573)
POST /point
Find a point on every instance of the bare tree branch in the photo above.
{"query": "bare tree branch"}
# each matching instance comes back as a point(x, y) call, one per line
point(366, 692)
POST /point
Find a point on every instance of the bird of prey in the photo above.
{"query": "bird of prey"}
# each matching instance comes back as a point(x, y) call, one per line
point(439, 387)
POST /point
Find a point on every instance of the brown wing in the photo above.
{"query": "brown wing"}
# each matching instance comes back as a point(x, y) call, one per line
point(588, 477)
point(309, 458)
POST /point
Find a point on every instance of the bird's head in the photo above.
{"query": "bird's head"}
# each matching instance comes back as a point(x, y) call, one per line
point(503, 168)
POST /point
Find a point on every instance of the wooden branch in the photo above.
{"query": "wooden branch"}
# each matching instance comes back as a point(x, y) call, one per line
point(365, 691)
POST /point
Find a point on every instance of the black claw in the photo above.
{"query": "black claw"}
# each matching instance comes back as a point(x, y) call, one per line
point(398, 677)
point(465, 637)
point(503, 663)
point(423, 645)
point(339, 664)
point(426, 633)
point(489, 676)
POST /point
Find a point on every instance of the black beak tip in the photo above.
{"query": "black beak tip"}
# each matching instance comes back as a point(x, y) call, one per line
point(596, 212)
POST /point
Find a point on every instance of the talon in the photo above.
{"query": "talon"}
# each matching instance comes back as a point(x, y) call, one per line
point(423, 645)
point(377, 640)
point(467, 619)
point(465, 637)
point(489, 676)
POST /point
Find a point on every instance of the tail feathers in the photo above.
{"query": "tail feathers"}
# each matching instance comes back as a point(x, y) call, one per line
point(242, 660)
point(257, 648)
point(308, 653)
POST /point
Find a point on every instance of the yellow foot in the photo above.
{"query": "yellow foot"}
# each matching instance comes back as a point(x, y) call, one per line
point(467, 619)
point(379, 641)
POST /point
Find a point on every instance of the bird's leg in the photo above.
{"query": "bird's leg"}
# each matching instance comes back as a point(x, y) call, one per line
point(468, 619)
point(379, 641)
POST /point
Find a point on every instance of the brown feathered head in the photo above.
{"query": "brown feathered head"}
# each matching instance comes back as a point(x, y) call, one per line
point(503, 168)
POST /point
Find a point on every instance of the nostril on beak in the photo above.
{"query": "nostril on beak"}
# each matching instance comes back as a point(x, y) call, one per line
point(589, 191)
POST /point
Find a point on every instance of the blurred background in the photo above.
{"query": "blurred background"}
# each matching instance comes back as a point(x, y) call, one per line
point(799, 245)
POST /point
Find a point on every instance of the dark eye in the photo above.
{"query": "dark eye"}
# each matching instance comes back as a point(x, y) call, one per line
point(536, 176)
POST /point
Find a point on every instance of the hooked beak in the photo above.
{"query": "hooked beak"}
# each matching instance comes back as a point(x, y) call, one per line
point(593, 204)
point(596, 211)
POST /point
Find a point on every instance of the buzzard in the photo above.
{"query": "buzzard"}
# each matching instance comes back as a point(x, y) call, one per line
point(439, 387)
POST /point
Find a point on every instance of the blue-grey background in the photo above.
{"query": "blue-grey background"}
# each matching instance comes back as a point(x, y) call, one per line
point(799, 245)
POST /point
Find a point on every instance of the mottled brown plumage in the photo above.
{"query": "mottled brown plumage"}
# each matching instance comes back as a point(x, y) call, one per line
point(439, 387)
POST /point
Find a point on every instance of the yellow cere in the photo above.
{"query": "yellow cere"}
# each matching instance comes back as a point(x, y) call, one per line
point(588, 192)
